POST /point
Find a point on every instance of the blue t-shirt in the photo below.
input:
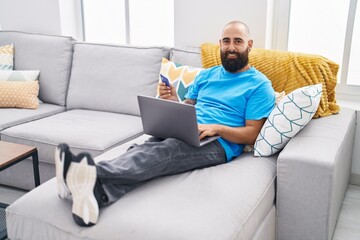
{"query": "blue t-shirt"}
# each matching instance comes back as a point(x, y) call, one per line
point(230, 99)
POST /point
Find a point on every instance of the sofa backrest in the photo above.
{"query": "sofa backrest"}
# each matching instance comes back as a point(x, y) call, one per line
point(109, 77)
point(52, 55)
point(189, 56)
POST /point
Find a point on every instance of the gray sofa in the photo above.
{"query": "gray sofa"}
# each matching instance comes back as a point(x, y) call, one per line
point(89, 101)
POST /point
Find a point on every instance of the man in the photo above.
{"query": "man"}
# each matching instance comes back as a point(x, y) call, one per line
point(232, 101)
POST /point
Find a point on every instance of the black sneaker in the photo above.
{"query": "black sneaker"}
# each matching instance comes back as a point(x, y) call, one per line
point(63, 158)
point(81, 180)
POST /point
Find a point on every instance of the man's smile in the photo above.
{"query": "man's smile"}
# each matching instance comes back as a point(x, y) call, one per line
point(232, 55)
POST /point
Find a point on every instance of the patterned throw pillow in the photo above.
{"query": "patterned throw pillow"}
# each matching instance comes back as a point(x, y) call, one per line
point(6, 57)
point(179, 76)
point(290, 115)
point(19, 94)
point(24, 75)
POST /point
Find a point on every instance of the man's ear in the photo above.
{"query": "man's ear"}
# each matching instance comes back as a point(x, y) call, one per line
point(250, 43)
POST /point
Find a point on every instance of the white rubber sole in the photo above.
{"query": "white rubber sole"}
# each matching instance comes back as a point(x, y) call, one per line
point(63, 190)
point(81, 179)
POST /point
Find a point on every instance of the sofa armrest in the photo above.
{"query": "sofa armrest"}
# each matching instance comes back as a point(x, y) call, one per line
point(313, 173)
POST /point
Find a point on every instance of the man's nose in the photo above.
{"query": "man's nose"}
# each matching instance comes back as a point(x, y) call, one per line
point(231, 47)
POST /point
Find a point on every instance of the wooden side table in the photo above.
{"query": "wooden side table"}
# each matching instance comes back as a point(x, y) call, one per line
point(11, 154)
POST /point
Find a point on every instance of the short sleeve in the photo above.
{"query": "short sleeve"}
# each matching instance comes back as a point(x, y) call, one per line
point(193, 90)
point(261, 102)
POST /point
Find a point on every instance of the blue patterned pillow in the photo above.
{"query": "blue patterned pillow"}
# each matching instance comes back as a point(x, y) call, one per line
point(180, 76)
point(6, 57)
point(290, 115)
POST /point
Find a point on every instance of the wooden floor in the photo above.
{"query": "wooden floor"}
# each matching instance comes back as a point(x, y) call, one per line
point(348, 224)
point(347, 228)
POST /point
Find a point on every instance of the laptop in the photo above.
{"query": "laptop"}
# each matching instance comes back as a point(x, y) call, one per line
point(168, 119)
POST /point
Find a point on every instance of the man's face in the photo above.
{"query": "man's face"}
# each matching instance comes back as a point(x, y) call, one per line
point(234, 47)
point(234, 61)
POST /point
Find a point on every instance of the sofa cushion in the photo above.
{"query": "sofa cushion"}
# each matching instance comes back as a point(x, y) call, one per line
point(114, 76)
point(51, 55)
point(228, 201)
point(84, 130)
point(7, 57)
point(19, 94)
point(12, 116)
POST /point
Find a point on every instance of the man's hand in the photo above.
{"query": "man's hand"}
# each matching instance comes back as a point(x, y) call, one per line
point(208, 130)
point(168, 93)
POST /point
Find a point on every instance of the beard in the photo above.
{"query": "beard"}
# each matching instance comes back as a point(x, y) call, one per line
point(234, 65)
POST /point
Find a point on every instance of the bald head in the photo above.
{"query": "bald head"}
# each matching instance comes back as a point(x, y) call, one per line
point(237, 24)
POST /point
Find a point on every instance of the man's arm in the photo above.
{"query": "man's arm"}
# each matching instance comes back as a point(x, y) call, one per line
point(240, 135)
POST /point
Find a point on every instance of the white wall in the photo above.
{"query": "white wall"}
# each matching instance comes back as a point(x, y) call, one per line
point(71, 21)
point(202, 21)
point(56, 17)
point(40, 16)
point(195, 21)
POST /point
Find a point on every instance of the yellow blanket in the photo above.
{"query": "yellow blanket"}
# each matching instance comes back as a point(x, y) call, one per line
point(288, 71)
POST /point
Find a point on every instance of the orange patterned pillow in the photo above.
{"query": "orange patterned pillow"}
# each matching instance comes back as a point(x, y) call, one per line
point(19, 94)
